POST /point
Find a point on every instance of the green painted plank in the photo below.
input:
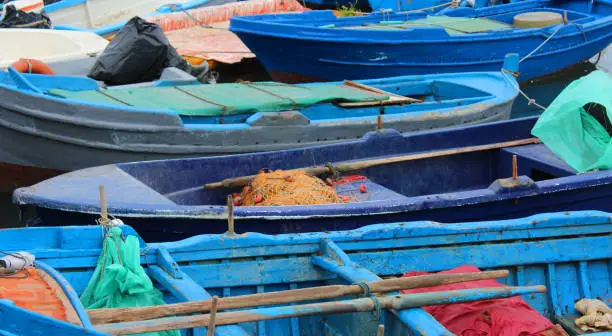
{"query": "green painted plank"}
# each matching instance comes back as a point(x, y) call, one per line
point(452, 25)
point(226, 99)
point(87, 96)
point(164, 98)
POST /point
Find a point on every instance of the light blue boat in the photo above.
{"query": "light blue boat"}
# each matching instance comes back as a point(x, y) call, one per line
point(87, 124)
point(568, 252)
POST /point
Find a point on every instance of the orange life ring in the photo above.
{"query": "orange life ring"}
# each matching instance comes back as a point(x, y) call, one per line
point(28, 65)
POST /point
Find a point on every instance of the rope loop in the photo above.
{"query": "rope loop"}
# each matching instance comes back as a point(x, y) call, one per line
point(367, 292)
point(365, 287)
point(333, 170)
point(513, 82)
point(377, 312)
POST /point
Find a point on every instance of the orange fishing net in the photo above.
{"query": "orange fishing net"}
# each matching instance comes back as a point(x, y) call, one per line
point(287, 188)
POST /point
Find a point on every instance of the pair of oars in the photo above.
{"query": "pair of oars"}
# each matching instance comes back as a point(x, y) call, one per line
point(155, 318)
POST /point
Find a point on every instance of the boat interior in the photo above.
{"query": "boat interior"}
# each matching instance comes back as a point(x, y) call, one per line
point(232, 265)
point(454, 174)
point(461, 20)
point(403, 182)
point(203, 106)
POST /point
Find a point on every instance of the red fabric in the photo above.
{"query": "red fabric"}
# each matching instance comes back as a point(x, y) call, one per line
point(350, 179)
point(500, 317)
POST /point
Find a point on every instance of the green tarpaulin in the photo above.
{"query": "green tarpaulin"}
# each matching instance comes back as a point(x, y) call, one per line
point(119, 281)
point(570, 125)
point(452, 25)
point(224, 99)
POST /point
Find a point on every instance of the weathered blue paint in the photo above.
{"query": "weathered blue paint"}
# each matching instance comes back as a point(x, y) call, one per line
point(165, 199)
point(567, 252)
point(314, 45)
point(334, 260)
point(72, 296)
point(184, 288)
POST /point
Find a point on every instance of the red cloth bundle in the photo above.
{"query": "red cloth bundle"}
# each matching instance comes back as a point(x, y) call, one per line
point(500, 317)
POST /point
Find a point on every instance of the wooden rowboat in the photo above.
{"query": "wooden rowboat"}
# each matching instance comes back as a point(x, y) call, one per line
point(454, 175)
point(230, 266)
point(177, 117)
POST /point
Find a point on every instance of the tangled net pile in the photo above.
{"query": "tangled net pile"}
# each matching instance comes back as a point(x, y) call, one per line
point(286, 188)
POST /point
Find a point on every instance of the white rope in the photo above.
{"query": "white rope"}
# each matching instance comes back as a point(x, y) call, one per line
point(530, 100)
point(542, 44)
point(512, 81)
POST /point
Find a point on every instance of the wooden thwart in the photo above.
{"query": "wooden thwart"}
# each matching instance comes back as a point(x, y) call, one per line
point(237, 182)
point(108, 315)
point(395, 302)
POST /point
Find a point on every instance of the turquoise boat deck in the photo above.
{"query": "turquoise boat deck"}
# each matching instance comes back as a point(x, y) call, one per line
point(224, 99)
point(240, 105)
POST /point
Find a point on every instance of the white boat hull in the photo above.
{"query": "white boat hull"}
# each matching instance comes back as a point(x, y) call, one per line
point(66, 52)
point(93, 14)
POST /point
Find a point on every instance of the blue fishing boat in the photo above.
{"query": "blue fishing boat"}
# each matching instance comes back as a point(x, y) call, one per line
point(86, 124)
point(549, 35)
point(459, 174)
point(523, 252)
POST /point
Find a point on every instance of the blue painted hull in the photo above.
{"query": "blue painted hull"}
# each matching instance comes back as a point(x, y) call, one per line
point(466, 187)
point(300, 47)
point(567, 252)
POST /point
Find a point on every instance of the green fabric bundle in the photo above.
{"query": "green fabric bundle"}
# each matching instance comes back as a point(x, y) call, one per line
point(119, 281)
point(570, 131)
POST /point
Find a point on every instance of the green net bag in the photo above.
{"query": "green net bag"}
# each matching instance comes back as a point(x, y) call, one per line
point(119, 281)
point(570, 131)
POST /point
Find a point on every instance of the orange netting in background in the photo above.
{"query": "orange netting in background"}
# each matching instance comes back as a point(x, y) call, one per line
point(287, 188)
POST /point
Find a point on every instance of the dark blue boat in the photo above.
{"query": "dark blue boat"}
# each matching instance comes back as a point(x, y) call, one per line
point(166, 199)
point(318, 46)
point(569, 253)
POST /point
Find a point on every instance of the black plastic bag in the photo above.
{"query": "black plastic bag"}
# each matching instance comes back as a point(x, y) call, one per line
point(16, 18)
point(138, 53)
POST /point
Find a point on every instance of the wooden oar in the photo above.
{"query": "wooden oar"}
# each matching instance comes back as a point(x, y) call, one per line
point(108, 315)
point(394, 99)
point(241, 181)
point(395, 302)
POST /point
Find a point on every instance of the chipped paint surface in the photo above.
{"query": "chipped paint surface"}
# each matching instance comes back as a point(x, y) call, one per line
point(568, 252)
